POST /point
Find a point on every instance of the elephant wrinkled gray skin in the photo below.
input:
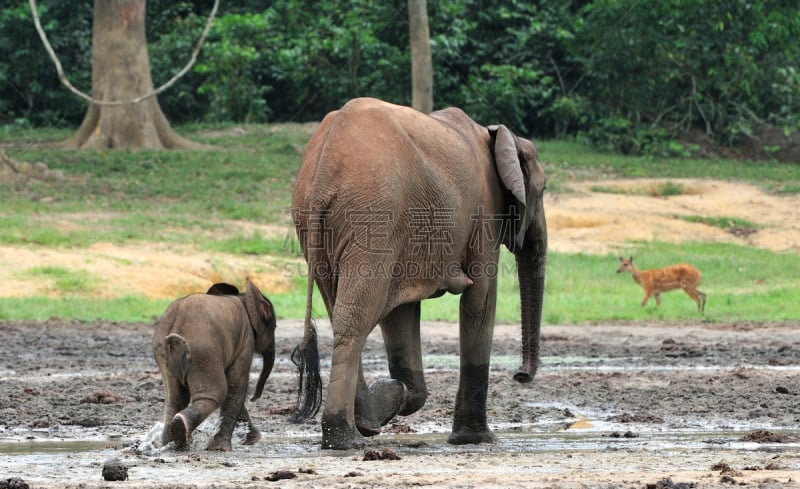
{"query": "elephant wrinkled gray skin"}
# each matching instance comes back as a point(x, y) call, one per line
point(392, 206)
point(204, 346)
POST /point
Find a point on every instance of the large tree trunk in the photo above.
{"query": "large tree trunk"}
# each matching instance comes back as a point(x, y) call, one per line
point(121, 71)
point(421, 62)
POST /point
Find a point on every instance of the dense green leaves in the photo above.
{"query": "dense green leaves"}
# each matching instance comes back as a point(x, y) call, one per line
point(624, 74)
point(720, 67)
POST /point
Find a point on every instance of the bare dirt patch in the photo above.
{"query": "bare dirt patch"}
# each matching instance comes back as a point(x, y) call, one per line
point(592, 221)
point(583, 220)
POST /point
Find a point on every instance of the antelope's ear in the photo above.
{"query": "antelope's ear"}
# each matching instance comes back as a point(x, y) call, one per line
point(631, 258)
point(621, 259)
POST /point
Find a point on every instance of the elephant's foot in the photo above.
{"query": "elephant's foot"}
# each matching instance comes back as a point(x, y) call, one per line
point(179, 427)
point(470, 437)
point(220, 444)
point(353, 442)
point(387, 398)
point(253, 437)
point(384, 400)
point(338, 434)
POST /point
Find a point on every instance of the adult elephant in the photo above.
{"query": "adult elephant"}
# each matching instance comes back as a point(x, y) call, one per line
point(393, 206)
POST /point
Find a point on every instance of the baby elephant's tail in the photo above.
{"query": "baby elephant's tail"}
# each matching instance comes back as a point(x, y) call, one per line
point(178, 355)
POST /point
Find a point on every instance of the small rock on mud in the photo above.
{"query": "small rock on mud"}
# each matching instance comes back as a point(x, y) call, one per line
point(385, 454)
point(636, 418)
point(399, 428)
point(669, 484)
point(104, 397)
point(115, 470)
point(764, 436)
point(13, 483)
point(280, 475)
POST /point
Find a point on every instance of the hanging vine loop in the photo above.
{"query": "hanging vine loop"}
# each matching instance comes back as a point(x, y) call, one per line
point(65, 81)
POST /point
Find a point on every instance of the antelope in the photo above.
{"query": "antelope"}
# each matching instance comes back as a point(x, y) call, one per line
point(658, 280)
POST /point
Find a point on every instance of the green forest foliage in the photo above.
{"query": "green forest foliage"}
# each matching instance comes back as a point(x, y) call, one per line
point(624, 74)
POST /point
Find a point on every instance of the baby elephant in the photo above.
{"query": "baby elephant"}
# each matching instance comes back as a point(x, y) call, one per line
point(204, 346)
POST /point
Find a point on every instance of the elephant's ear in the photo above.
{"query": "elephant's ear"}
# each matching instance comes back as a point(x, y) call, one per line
point(259, 309)
point(222, 289)
point(509, 167)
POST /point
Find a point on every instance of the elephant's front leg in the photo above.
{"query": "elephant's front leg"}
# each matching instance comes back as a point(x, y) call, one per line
point(476, 327)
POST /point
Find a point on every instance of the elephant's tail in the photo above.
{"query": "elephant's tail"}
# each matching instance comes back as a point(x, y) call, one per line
point(306, 357)
point(178, 356)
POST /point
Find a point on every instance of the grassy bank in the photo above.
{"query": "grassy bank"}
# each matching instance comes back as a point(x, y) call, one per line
point(190, 198)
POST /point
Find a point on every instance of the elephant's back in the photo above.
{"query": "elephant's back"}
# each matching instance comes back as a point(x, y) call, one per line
point(371, 153)
point(201, 316)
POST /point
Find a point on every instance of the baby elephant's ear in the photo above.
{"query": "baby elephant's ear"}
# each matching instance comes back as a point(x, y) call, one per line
point(259, 308)
point(222, 288)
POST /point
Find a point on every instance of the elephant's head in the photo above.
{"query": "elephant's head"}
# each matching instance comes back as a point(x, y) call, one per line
point(523, 176)
point(262, 320)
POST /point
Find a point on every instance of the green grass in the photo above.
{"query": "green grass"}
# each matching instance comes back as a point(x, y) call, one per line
point(64, 280)
point(743, 284)
point(665, 189)
point(256, 244)
point(566, 161)
point(721, 222)
point(126, 309)
point(243, 177)
point(191, 198)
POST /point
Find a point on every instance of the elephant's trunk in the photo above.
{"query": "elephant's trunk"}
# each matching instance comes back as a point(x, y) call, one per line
point(530, 269)
point(269, 361)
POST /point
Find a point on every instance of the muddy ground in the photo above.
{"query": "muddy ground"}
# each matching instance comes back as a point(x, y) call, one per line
point(613, 405)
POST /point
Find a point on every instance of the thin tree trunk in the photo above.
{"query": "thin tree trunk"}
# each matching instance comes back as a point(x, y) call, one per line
point(121, 71)
point(421, 61)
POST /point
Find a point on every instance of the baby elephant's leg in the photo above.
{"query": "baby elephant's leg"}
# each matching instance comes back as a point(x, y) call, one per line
point(177, 398)
point(208, 390)
point(232, 408)
point(253, 434)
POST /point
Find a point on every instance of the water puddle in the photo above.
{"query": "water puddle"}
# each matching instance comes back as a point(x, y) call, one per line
point(45, 447)
point(579, 433)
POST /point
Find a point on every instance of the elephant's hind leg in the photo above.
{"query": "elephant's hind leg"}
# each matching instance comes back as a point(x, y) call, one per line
point(177, 398)
point(253, 433)
point(405, 392)
point(401, 337)
point(232, 408)
point(351, 323)
point(208, 389)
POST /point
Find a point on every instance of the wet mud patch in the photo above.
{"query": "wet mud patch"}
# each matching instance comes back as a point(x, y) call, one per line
point(765, 436)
